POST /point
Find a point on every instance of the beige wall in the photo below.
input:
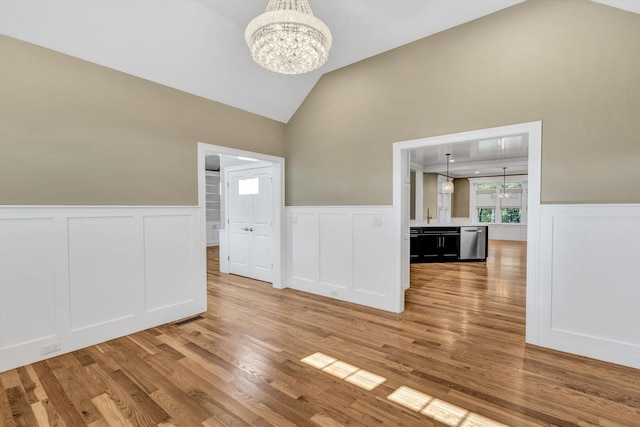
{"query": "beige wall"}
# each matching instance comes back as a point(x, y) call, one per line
point(460, 198)
point(75, 133)
point(574, 64)
point(430, 195)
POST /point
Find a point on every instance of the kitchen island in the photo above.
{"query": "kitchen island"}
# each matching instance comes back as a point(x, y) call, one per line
point(448, 242)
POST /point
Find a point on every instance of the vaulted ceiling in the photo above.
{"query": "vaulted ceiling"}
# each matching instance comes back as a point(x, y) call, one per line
point(198, 46)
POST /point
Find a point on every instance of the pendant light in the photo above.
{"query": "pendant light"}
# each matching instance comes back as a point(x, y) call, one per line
point(447, 186)
point(503, 191)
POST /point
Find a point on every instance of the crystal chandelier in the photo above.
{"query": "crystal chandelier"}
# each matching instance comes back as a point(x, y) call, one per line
point(288, 39)
point(447, 186)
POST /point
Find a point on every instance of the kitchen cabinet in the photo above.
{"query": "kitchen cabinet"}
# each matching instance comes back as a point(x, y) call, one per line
point(415, 253)
point(440, 244)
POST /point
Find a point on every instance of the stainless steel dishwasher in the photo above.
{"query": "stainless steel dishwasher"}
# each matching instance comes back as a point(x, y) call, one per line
point(473, 243)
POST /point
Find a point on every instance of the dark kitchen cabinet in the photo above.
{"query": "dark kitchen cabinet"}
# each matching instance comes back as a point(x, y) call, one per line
point(414, 249)
point(430, 247)
point(447, 244)
point(450, 246)
point(442, 244)
point(435, 245)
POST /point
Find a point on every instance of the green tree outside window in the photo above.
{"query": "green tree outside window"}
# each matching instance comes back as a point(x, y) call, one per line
point(486, 215)
point(511, 215)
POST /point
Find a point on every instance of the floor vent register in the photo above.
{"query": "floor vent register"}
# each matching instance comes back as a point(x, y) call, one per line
point(189, 320)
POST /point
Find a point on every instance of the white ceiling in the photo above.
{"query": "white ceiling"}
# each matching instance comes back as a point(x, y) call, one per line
point(198, 46)
point(628, 5)
point(476, 158)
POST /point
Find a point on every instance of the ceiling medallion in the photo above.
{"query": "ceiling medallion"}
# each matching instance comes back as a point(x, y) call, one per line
point(288, 39)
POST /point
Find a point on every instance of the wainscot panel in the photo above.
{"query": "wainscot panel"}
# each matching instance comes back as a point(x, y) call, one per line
point(101, 270)
point(342, 252)
point(75, 276)
point(508, 232)
point(589, 290)
point(27, 258)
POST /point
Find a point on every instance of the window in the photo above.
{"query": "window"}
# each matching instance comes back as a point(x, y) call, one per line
point(248, 186)
point(488, 204)
point(511, 215)
point(512, 185)
point(486, 215)
point(486, 187)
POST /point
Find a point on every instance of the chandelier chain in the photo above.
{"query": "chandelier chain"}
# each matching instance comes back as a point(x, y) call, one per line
point(299, 5)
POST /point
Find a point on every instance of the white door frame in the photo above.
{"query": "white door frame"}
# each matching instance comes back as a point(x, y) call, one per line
point(401, 261)
point(277, 247)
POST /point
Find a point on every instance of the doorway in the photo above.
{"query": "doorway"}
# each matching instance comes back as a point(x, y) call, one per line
point(249, 220)
point(274, 200)
point(401, 207)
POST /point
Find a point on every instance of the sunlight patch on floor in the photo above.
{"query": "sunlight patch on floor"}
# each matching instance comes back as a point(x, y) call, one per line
point(340, 369)
point(475, 420)
point(318, 360)
point(439, 410)
point(351, 374)
point(365, 379)
point(445, 412)
point(429, 406)
point(410, 398)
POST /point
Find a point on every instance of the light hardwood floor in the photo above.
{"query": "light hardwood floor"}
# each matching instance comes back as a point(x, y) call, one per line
point(455, 357)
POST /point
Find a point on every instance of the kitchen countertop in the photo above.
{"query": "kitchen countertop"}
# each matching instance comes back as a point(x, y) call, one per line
point(437, 224)
point(462, 224)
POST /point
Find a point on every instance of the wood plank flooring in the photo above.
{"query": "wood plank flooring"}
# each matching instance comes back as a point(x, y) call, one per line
point(262, 357)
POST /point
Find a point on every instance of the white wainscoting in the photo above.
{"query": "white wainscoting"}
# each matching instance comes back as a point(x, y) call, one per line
point(508, 232)
point(77, 276)
point(342, 252)
point(589, 283)
point(499, 231)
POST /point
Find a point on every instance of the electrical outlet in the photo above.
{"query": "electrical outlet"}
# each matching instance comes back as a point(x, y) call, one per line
point(46, 349)
point(377, 222)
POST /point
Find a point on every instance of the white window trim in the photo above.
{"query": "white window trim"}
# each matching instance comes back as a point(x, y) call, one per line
point(498, 180)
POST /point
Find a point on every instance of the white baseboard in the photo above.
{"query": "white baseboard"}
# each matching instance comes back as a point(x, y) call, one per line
point(77, 276)
point(589, 281)
point(342, 252)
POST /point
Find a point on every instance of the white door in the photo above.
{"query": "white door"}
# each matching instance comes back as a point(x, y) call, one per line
point(250, 222)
